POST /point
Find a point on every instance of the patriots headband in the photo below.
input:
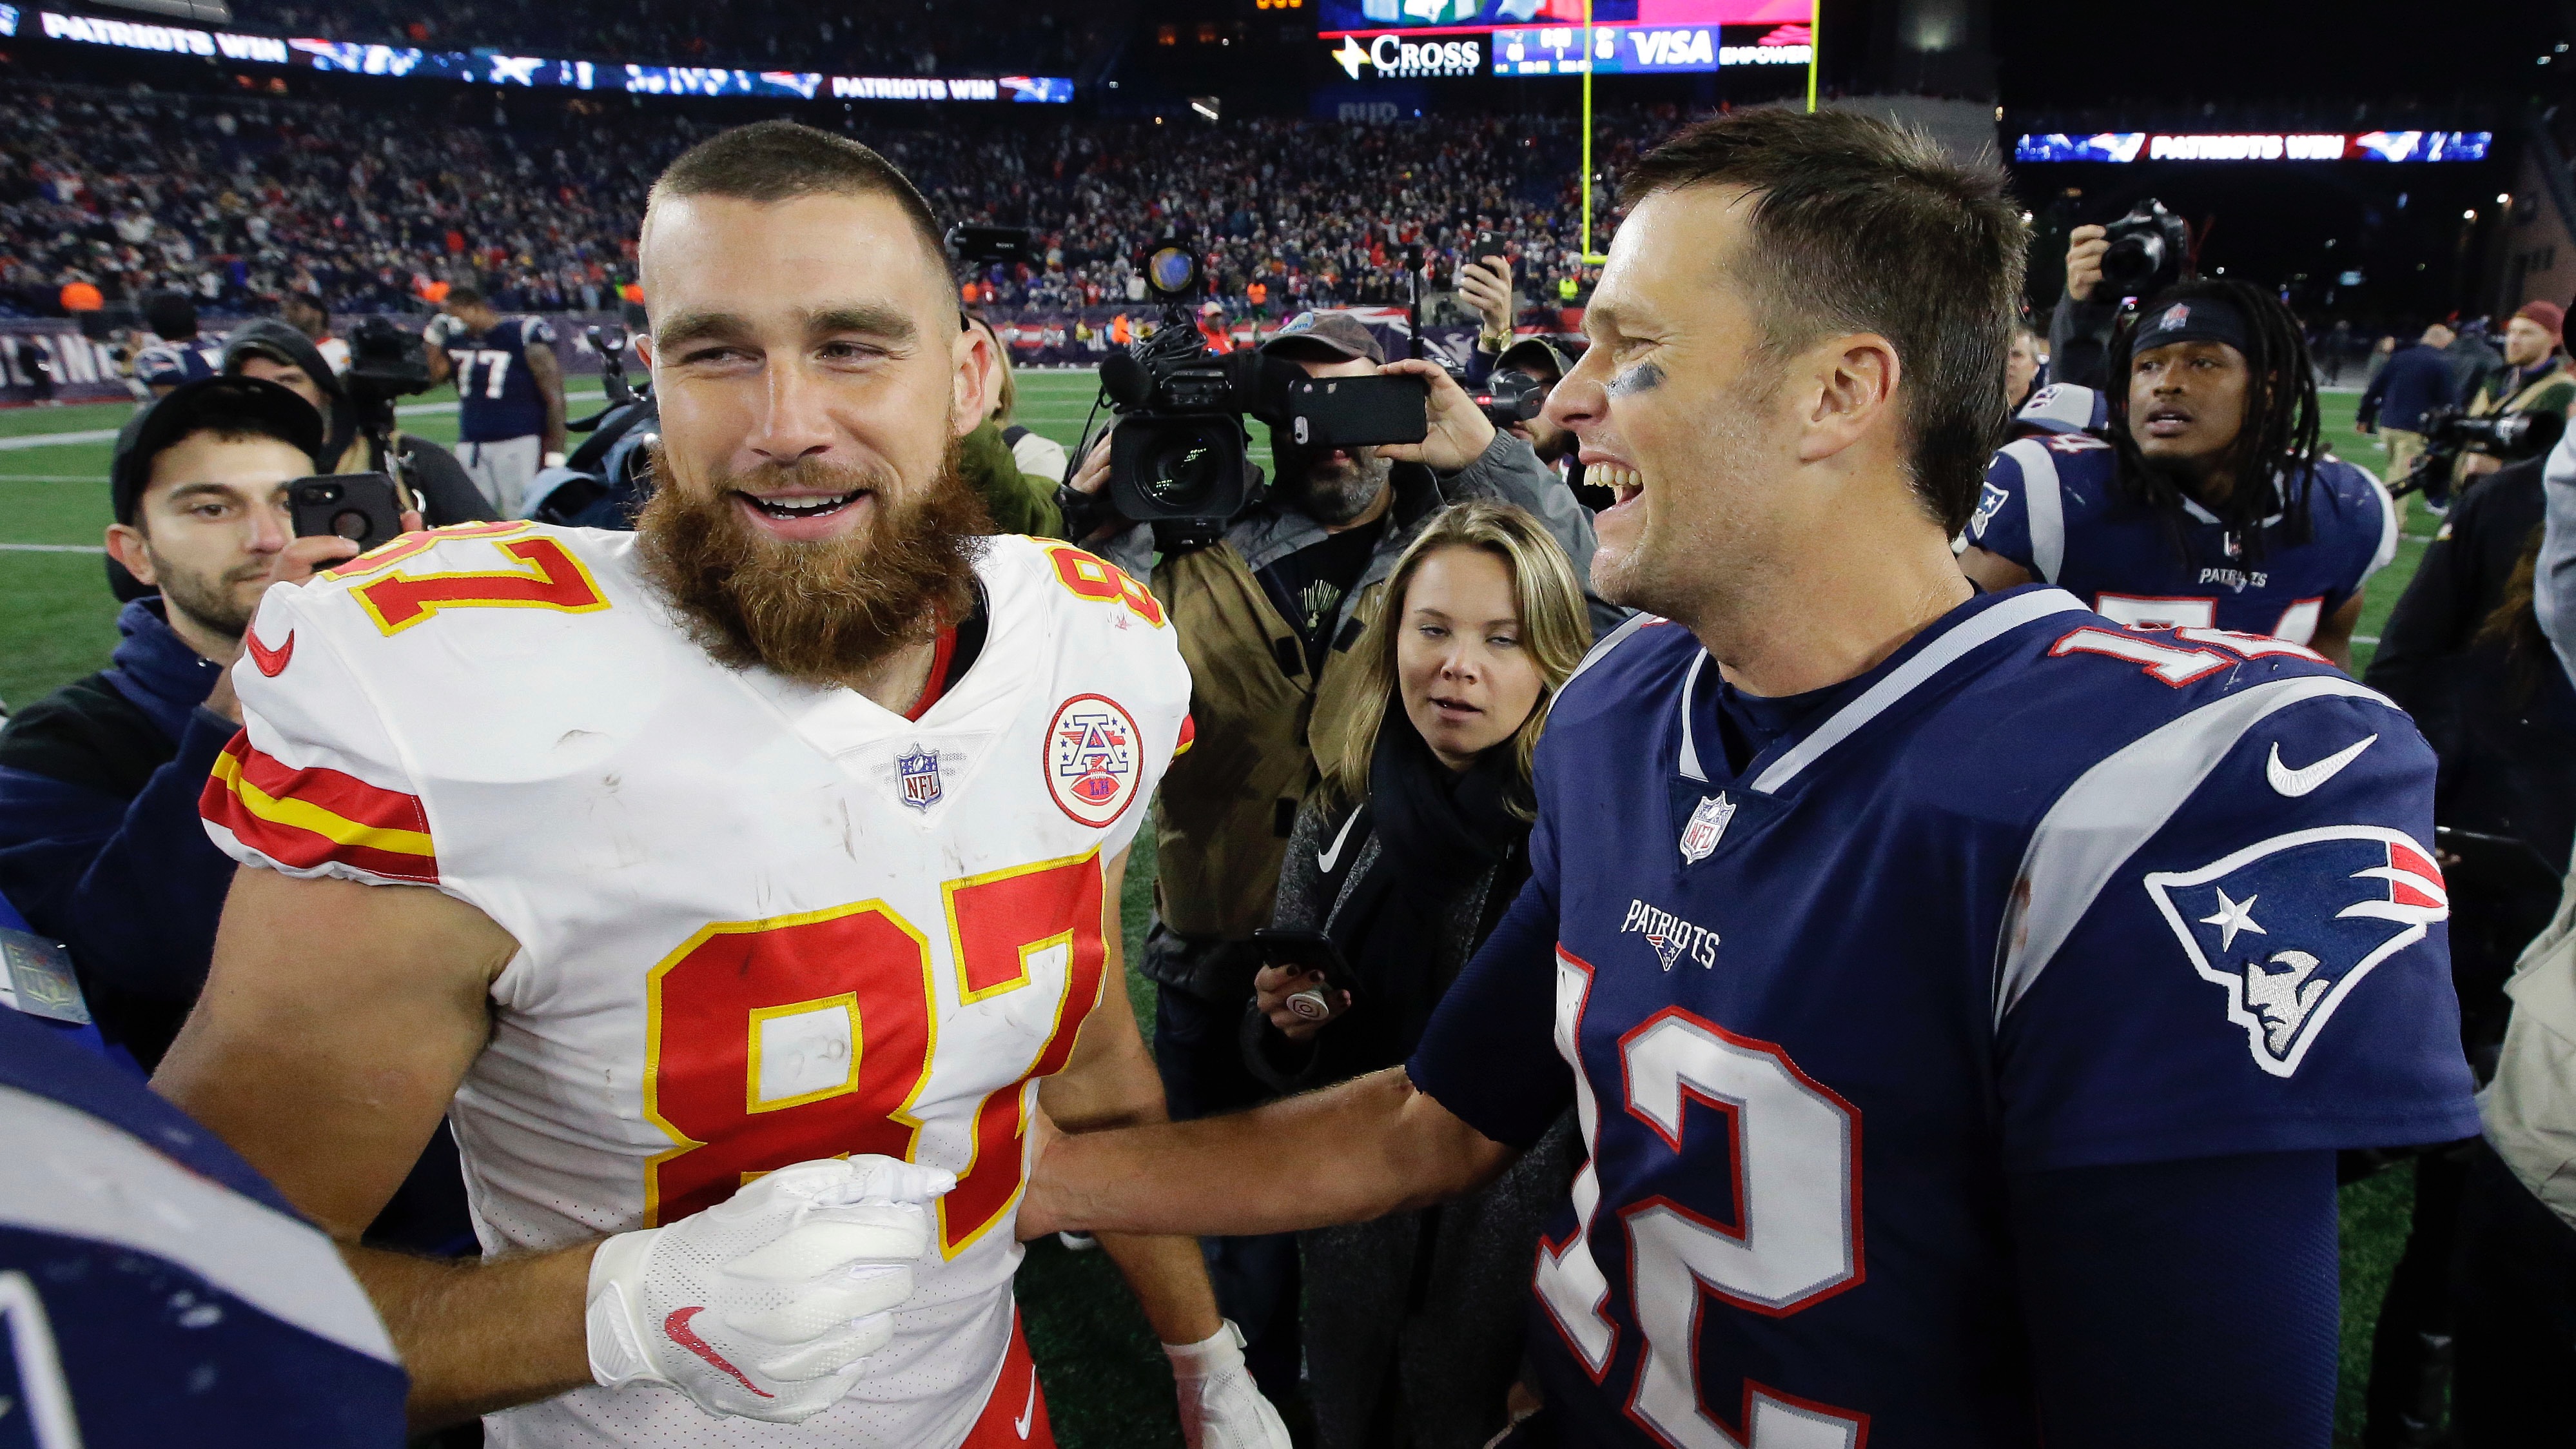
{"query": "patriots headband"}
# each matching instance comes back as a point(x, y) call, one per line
point(2201, 319)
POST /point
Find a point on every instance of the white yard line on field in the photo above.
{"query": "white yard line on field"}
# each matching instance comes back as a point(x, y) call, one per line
point(50, 548)
point(108, 435)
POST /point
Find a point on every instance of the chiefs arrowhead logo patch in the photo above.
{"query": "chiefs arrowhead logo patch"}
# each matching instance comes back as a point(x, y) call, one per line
point(270, 662)
point(2290, 926)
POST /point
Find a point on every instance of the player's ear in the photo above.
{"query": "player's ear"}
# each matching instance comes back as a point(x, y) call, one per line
point(974, 379)
point(1849, 388)
point(644, 349)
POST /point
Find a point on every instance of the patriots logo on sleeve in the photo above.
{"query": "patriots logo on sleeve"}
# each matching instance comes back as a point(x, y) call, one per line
point(2291, 925)
point(1988, 502)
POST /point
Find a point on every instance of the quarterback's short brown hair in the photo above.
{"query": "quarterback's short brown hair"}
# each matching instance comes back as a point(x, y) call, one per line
point(1859, 225)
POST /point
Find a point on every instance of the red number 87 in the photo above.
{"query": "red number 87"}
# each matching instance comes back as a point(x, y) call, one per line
point(784, 1040)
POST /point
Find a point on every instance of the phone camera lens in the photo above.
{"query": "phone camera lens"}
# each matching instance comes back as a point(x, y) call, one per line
point(350, 524)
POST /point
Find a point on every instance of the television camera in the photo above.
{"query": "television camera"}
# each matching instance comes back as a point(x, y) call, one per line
point(2450, 432)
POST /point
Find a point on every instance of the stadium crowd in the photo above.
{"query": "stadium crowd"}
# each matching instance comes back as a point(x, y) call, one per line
point(238, 200)
point(951, 38)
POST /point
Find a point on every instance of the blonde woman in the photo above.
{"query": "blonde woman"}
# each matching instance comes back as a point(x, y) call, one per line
point(1397, 870)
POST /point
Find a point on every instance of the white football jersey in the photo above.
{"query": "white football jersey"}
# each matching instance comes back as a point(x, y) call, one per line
point(759, 922)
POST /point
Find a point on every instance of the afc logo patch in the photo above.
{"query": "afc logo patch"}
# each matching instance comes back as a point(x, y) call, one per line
point(2291, 925)
point(1090, 762)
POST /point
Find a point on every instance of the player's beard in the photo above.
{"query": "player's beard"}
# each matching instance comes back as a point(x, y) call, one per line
point(824, 611)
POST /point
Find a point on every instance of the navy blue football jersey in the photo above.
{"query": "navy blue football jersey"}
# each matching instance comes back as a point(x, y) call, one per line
point(154, 1289)
point(496, 395)
point(2052, 506)
point(173, 363)
point(2039, 892)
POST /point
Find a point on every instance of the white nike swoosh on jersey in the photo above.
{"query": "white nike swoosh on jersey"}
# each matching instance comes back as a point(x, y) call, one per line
point(1029, 1410)
point(1324, 859)
point(2295, 783)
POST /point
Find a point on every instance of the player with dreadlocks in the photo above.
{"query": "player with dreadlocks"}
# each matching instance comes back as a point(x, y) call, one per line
point(2200, 497)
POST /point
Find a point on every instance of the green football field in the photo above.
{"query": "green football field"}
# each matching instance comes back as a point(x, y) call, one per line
point(1105, 1381)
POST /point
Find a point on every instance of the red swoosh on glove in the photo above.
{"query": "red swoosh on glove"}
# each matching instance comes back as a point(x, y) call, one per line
point(677, 1326)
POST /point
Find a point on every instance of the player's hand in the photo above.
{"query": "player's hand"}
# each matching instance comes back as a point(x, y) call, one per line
point(1459, 432)
point(1273, 988)
point(1221, 1408)
point(1486, 283)
point(2084, 248)
point(441, 327)
point(764, 1305)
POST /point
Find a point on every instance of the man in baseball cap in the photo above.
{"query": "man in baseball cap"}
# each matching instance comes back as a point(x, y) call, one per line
point(100, 844)
point(2534, 377)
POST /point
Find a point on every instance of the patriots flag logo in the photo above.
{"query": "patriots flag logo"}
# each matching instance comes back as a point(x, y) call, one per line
point(1989, 503)
point(2291, 925)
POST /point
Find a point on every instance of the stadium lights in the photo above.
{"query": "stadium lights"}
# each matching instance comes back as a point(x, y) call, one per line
point(2469, 215)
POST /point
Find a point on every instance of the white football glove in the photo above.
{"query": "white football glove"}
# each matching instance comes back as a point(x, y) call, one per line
point(440, 328)
point(763, 1305)
point(1221, 1408)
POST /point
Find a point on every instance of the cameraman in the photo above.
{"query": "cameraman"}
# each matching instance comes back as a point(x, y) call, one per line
point(1267, 617)
point(2533, 378)
point(276, 352)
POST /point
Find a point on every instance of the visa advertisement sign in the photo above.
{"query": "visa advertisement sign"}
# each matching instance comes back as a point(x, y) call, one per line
point(1336, 18)
point(1647, 49)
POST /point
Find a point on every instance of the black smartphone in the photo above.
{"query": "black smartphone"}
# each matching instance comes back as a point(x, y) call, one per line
point(1301, 948)
point(360, 507)
point(1487, 245)
point(1352, 412)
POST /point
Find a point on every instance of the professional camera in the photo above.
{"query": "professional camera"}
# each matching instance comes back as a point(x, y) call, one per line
point(386, 361)
point(1509, 396)
point(606, 480)
point(1177, 450)
point(2148, 249)
point(2449, 432)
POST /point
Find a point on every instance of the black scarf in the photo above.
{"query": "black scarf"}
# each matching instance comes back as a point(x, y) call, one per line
point(1437, 834)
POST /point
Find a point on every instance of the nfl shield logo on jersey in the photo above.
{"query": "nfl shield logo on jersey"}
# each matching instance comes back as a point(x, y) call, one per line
point(2291, 926)
point(918, 771)
point(1707, 825)
point(1091, 759)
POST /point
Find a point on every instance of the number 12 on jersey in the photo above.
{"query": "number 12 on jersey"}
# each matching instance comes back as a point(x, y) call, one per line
point(799, 1037)
point(1781, 1235)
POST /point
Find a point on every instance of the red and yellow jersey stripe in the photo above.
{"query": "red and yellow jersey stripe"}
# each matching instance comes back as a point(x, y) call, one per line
point(307, 818)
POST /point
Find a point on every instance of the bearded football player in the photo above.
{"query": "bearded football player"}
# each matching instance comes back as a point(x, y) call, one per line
point(741, 888)
point(1962, 997)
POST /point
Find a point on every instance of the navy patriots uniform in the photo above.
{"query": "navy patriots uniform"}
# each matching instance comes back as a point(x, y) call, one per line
point(496, 396)
point(154, 1289)
point(176, 362)
point(2052, 506)
point(2038, 893)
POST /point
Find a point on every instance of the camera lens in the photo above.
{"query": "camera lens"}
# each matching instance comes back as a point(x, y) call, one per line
point(2131, 260)
point(1184, 467)
point(349, 524)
